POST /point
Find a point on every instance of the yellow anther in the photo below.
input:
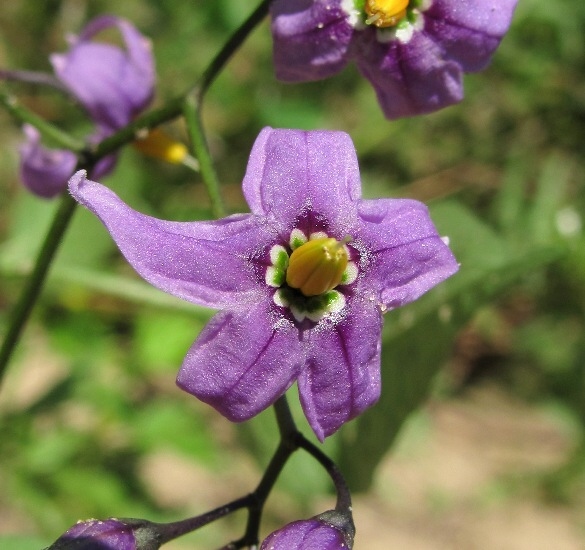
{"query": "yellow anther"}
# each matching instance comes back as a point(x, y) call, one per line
point(159, 145)
point(317, 266)
point(385, 13)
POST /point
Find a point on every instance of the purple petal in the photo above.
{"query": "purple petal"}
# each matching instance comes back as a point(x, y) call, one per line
point(342, 375)
point(292, 173)
point(310, 534)
point(242, 362)
point(409, 78)
point(469, 30)
point(44, 171)
point(112, 84)
point(94, 534)
point(311, 39)
point(406, 256)
point(202, 262)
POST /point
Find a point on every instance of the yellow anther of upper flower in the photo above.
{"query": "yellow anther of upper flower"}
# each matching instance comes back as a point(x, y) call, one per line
point(317, 266)
point(159, 145)
point(385, 13)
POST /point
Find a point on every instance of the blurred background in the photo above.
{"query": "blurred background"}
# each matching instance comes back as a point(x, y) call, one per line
point(477, 441)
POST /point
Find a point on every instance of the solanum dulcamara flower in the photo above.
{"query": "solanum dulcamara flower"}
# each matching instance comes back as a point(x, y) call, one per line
point(112, 84)
point(414, 52)
point(302, 280)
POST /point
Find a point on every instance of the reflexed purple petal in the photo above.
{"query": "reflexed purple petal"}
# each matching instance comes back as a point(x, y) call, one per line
point(310, 534)
point(44, 171)
point(242, 362)
point(311, 39)
point(411, 78)
point(342, 375)
point(407, 257)
point(469, 30)
point(202, 262)
point(112, 84)
point(94, 534)
point(292, 173)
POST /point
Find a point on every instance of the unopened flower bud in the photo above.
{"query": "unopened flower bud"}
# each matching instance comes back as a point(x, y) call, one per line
point(331, 530)
point(110, 534)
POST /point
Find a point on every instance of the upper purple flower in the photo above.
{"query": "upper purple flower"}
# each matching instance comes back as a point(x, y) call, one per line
point(303, 279)
point(413, 52)
point(112, 84)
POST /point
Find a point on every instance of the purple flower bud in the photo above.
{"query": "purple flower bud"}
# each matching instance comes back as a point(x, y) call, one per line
point(44, 171)
point(329, 531)
point(111, 534)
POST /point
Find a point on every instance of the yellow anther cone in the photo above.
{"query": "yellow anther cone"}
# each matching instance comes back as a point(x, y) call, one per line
point(385, 13)
point(317, 266)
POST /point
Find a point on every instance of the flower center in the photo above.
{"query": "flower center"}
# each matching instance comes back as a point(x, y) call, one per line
point(317, 266)
point(385, 13)
point(306, 278)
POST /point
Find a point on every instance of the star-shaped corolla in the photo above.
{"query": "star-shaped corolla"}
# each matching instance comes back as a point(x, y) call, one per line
point(414, 52)
point(375, 255)
point(111, 83)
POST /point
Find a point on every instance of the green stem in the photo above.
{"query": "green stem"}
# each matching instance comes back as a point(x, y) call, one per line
point(47, 130)
point(34, 283)
point(192, 114)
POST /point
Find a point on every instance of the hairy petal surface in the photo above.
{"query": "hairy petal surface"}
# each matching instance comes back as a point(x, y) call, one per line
point(202, 262)
point(469, 30)
point(242, 362)
point(112, 84)
point(290, 173)
point(311, 39)
point(44, 171)
point(406, 255)
point(342, 375)
point(411, 78)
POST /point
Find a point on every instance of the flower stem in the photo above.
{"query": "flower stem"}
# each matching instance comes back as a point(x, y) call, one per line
point(192, 114)
point(171, 531)
point(47, 130)
point(35, 281)
point(343, 495)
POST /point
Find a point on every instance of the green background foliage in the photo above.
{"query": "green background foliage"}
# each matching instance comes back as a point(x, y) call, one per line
point(90, 395)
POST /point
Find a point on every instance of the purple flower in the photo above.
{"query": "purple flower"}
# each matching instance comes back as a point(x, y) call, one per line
point(44, 171)
point(112, 84)
point(111, 534)
point(303, 279)
point(413, 52)
point(328, 531)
